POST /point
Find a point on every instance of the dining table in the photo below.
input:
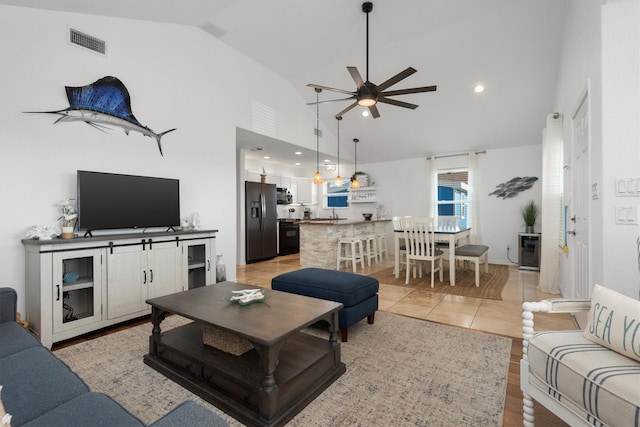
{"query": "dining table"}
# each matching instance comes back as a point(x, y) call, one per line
point(449, 234)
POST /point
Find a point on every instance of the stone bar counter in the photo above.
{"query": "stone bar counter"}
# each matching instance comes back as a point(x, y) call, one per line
point(319, 238)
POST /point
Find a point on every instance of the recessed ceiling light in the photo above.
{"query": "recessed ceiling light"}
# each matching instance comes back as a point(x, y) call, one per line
point(365, 113)
point(297, 163)
point(478, 89)
point(298, 153)
point(266, 157)
point(326, 160)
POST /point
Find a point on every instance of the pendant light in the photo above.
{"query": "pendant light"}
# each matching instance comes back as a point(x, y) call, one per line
point(317, 178)
point(354, 182)
point(338, 179)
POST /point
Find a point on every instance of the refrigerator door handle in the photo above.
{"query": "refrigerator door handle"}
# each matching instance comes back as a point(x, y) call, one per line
point(263, 208)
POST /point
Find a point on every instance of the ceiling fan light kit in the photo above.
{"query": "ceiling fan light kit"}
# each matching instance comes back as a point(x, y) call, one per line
point(369, 94)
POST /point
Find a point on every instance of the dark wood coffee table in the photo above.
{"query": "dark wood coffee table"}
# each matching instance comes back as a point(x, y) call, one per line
point(267, 385)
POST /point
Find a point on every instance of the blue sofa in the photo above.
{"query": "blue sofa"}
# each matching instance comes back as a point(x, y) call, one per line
point(38, 389)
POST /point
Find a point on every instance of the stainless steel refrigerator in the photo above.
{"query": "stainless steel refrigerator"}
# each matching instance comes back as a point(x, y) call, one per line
point(261, 222)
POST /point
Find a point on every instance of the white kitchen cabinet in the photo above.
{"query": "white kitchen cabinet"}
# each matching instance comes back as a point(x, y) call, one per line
point(285, 182)
point(80, 285)
point(304, 190)
point(252, 176)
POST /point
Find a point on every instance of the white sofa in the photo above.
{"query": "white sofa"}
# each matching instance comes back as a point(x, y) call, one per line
point(581, 381)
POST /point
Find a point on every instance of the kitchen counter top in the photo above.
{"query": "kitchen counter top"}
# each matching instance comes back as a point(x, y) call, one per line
point(341, 221)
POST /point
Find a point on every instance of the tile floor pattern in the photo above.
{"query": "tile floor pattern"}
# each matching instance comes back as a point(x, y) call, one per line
point(501, 317)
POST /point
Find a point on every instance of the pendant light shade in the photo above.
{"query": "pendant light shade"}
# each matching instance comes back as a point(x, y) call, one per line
point(317, 177)
point(338, 180)
point(354, 182)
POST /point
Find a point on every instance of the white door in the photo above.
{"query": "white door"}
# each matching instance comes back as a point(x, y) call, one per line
point(127, 280)
point(578, 227)
point(163, 269)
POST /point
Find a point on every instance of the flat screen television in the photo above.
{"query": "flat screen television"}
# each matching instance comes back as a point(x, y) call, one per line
point(111, 201)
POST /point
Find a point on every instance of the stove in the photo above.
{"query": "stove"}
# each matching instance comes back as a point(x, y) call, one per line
point(288, 237)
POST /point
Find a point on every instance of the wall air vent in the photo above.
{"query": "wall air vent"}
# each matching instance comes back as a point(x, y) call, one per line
point(86, 41)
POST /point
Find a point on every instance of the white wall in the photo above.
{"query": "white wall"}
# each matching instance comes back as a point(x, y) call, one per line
point(402, 189)
point(580, 64)
point(601, 44)
point(620, 142)
point(177, 76)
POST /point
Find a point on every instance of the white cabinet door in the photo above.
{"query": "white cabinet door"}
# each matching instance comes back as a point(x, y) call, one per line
point(273, 179)
point(252, 176)
point(304, 190)
point(163, 269)
point(77, 290)
point(127, 280)
point(198, 263)
point(285, 181)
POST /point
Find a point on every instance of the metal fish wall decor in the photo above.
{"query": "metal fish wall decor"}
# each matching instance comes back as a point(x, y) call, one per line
point(514, 186)
point(104, 102)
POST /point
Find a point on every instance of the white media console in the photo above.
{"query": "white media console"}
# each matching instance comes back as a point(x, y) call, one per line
point(80, 285)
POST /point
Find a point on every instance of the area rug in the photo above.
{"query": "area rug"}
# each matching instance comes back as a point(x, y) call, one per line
point(400, 372)
point(491, 283)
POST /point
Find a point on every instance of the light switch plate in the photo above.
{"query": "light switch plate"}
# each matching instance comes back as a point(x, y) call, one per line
point(626, 215)
point(626, 187)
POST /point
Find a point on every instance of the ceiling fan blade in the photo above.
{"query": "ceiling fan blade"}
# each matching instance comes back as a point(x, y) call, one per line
point(332, 89)
point(397, 103)
point(374, 111)
point(341, 113)
point(395, 79)
point(408, 91)
point(332, 100)
point(355, 75)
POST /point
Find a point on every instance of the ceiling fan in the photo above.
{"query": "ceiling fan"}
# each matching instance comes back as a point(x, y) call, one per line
point(368, 94)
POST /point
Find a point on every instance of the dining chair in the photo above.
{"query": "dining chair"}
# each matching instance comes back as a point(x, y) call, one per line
point(419, 239)
point(398, 226)
point(478, 254)
point(447, 223)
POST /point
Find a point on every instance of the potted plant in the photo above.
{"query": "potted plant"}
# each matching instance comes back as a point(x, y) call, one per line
point(529, 215)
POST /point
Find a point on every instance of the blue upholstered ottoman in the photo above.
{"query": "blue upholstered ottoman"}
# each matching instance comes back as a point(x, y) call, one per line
point(358, 293)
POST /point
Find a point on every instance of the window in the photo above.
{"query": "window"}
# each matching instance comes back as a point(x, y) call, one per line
point(336, 196)
point(453, 190)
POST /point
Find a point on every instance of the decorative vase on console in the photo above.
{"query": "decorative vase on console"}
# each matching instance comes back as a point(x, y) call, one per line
point(69, 217)
point(221, 272)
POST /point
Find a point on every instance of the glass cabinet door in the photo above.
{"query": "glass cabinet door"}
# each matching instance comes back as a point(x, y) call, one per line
point(77, 288)
point(200, 268)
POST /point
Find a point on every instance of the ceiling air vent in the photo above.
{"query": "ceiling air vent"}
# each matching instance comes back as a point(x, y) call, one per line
point(81, 39)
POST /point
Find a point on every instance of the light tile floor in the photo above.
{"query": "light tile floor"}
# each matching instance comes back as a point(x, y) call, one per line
point(502, 317)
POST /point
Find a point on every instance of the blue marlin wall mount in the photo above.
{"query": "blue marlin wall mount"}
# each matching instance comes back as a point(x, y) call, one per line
point(103, 103)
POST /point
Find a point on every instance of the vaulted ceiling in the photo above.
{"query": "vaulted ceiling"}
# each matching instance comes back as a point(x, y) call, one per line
point(511, 47)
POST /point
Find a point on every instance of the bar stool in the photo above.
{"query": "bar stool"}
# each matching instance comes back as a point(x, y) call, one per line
point(382, 245)
point(370, 247)
point(352, 252)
